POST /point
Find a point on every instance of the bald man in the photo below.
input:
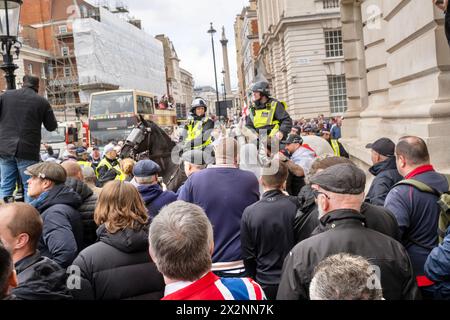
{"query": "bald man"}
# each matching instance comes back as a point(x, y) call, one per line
point(40, 278)
point(75, 180)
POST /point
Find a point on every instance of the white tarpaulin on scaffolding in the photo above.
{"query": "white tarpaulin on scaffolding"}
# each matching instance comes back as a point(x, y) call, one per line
point(115, 52)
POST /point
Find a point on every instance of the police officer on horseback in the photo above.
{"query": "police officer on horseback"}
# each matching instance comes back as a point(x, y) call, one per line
point(197, 131)
point(268, 113)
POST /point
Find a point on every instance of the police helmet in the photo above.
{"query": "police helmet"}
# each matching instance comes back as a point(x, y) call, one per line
point(262, 87)
point(197, 103)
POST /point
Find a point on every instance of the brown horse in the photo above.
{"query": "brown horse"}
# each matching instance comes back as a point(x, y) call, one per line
point(149, 141)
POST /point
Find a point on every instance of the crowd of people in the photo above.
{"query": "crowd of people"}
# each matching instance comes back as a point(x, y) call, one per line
point(298, 226)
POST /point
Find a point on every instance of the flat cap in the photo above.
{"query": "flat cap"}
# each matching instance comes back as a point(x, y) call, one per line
point(341, 178)
point(48, 170)
point(146, 168)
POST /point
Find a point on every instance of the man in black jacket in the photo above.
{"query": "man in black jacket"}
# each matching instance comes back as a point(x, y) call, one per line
point(340, 192)
point(75, 181)
point(62, 236)
point(40, 278)
point(266, 238)
point(307, 221)
point(384, 169)
point(22, 113)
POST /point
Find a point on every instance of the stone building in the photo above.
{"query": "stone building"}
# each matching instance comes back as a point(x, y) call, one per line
point(247, 48)
point(397, 65)
point(302, 54)
point(187, 88)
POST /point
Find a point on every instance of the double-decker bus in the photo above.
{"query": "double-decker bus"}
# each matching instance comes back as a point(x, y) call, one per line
point(113, 114)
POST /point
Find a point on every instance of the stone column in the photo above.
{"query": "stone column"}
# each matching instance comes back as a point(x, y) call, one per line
point(352, 37)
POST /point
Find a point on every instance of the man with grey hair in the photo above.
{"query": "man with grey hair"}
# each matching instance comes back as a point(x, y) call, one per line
point(181, 243)
point(145, 174)
point(224, 191)
point(339, 193)
point(345, 277)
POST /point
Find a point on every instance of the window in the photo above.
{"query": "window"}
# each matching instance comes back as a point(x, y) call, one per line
point(65, 51)
point(62, 29)
point(181, 111)
point(30, 68)
point(328, 4)
point(43, 76)
point(67, 72)
point(333, 43)
point(145, 105)
point(338, 94)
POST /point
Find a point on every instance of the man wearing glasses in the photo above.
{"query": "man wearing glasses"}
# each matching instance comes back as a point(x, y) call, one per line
point(339, 192)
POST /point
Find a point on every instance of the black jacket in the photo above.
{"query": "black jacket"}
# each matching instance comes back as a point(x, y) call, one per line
point(118, 267)
point(386, 176)
point(62, 234)
point(280, 114)
point(348, 234)
point(86, 209)
point(40, 279)
point(307, 221)
point(22, 113)
point(267, 235)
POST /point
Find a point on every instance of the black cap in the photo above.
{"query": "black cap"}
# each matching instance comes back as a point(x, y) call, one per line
point(341, 178)
point(294, 138)
point(383, 146)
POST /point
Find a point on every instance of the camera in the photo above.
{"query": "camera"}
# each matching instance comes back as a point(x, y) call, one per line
point(9, 199)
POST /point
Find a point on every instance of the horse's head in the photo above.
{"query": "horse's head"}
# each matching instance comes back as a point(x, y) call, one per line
point(145, 140)
point(135, 142)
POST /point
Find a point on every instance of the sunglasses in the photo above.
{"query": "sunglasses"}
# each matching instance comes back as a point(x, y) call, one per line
point(317, 193)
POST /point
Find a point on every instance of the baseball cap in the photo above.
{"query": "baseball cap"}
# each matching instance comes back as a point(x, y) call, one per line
point(383, 146)
point(294, 138)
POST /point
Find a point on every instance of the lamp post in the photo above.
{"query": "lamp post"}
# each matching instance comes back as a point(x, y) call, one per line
point(9, 31)
point(212, 31)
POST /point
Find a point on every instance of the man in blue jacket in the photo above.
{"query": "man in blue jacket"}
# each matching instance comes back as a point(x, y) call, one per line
point(62, 234)
point(417, 212)
point(224, 191)
point(145, 174)
point(437, 269)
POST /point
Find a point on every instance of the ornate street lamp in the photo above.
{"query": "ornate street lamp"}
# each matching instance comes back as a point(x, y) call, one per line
point(212, 31)
point(9, 32)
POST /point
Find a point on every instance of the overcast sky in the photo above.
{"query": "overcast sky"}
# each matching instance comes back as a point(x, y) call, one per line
point(186, 23)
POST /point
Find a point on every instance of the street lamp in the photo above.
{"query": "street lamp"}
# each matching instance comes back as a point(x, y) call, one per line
point(9, 31)
point(212, 31)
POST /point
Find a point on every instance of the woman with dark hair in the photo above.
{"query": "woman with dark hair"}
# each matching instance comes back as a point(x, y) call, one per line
point(118, 266)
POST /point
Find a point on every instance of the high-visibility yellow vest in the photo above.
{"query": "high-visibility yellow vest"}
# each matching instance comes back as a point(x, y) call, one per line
point(120, 175)
point(335, 146)
point(265, 117)
point(195, 132)
point(84, 164)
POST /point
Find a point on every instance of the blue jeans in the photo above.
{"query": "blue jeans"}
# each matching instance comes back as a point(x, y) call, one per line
point(10, 168)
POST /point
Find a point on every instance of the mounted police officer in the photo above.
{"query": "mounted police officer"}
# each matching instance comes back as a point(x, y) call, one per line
point(268, 114)
point(197, 132)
